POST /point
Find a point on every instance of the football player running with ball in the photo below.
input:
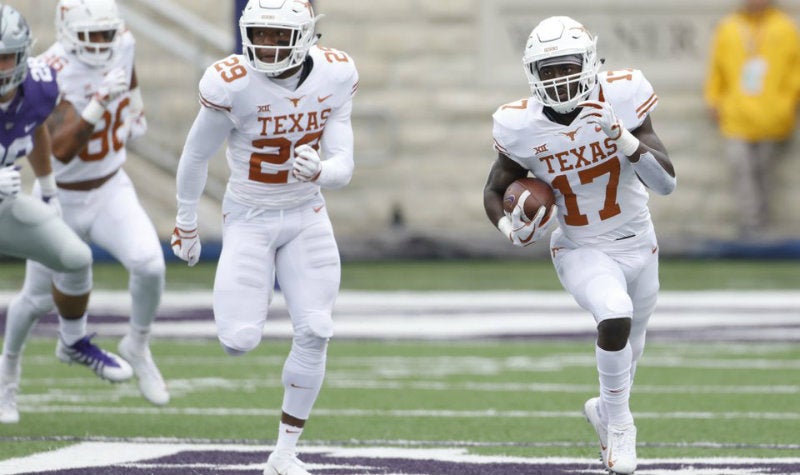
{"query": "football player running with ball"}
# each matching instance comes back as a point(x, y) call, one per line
point(589, 135)
point(99, 110)
point(284, 108)
point(31, 226)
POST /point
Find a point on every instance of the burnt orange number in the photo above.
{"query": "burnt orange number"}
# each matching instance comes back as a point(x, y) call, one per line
point(333, 55)
point(107, 135)
point(611, 208)
point(230, 69)
point(283, 154)
point(620, 75)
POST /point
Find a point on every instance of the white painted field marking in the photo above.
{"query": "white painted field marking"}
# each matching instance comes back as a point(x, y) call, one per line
point(87, 455)
point(396, 413)
point(480, 314)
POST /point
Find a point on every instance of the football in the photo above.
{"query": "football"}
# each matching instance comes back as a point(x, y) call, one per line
point(541, 195)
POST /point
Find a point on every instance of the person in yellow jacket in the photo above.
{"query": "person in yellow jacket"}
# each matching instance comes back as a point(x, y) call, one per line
point(752, 90)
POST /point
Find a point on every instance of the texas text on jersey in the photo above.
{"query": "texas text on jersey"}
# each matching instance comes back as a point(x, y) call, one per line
point(272, 121)
point(595, 186)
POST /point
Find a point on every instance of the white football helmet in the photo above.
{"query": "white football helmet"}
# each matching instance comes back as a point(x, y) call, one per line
point(297, 16)
point(15, 38)
point(555, 37)
point(76, 19)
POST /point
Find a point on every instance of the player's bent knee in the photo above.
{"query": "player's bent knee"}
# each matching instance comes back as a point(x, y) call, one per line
point(74, 283)
point(232, 351)
point(613, 333)
point(320, 325)
point(76, 256)
point(241, 340)
point(150, 269)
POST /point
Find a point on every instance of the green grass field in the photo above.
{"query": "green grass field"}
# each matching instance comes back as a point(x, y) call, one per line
point(516, 397)
point(502, 397)
point(472, 275)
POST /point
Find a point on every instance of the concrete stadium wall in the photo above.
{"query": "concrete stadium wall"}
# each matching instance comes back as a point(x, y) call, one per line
point(432, 73)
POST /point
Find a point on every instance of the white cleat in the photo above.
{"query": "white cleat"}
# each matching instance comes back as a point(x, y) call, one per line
point(105, 364)
point(8, 403)
point(284, 463)
point(621, 449)
point(151, 384)
point(9, 385)
point(592, 413)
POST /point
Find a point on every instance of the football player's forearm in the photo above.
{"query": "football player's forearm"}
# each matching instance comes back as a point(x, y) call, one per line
point(68, 141)
point(39, 158)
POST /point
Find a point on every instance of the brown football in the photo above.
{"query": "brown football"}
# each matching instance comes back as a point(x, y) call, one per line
point(541, 195)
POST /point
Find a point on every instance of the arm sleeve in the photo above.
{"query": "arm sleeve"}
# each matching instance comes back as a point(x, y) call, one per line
point(337, 145)
point(208, 132)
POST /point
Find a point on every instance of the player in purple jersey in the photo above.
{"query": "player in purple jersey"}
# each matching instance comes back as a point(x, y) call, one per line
point(31, 228)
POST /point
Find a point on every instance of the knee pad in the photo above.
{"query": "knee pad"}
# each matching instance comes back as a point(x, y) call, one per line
point(320, 325)
point(231, 351)
point(76, 255)
point(613, 333)
point(607, 300)
point(152, 268)
point(241, 340)
point(74, 283)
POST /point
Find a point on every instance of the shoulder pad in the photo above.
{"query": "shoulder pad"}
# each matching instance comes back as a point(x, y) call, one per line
point(630, 94)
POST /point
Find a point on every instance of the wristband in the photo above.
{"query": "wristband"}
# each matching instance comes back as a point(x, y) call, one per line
point(47, 184)
point(93, 112)
point(628, 144)
point(136, 103)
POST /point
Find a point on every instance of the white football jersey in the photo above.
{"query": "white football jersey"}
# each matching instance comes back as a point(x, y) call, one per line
point(596, 188)
point(78, 82)
point(271, 121)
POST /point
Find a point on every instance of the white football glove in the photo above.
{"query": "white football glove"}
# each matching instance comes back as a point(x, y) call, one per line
point(115, 84)
point(137, 126)
point(10, 182)
point(186, 245)
point(523, 232)
point(602, 115)
point(307, 164)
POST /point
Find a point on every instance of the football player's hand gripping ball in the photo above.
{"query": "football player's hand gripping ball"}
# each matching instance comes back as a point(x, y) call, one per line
point(186, 245)
point(307, 164)
point(10, 181)
point(523, 232)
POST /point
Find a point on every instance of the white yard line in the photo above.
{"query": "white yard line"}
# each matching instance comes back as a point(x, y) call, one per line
point(751, 315)
point(395, 413)
point(86, 455)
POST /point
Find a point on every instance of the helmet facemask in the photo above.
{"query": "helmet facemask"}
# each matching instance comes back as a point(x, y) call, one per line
point(90, 29)
point(561, 40)
point(290, 24)
point(15, 39)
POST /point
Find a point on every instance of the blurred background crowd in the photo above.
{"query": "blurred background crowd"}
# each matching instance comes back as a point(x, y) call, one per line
point(432, 73)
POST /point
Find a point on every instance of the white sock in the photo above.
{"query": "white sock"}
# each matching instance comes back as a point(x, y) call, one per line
point(139, 336)
point(71, 330)
point(288, 437)
point(614, 368)
point(10, 368)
